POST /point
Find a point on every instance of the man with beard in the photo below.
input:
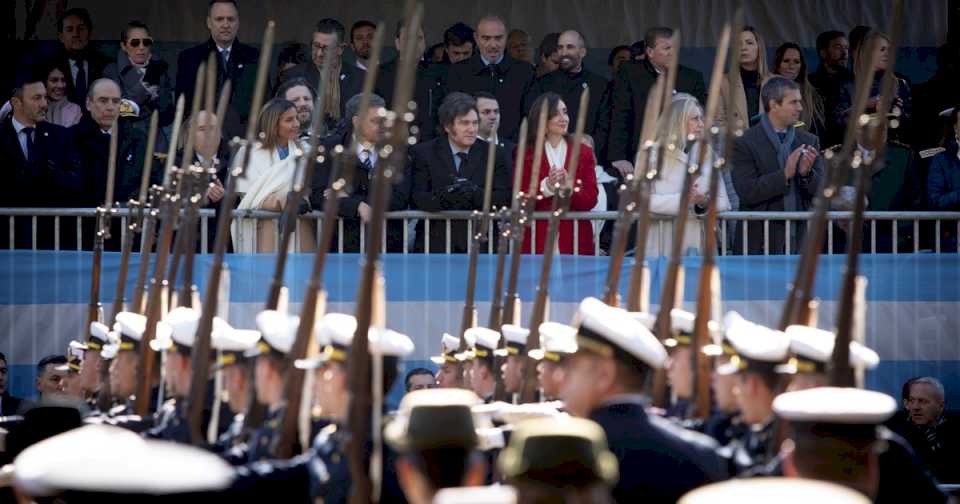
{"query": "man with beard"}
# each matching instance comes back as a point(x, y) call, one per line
point(512, 353)
point(570, 79)
point(302, 94)
point(361, 38)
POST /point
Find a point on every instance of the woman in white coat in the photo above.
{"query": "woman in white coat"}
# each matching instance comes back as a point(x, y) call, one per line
point(268, 179)
point(686, 120)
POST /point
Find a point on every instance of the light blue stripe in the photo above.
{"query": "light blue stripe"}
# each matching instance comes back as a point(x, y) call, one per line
point(64, 277)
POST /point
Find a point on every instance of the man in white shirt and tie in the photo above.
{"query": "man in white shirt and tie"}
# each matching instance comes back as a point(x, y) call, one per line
point(86, 64)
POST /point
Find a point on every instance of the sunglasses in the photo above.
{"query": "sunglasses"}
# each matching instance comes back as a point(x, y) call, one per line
point(147, 42)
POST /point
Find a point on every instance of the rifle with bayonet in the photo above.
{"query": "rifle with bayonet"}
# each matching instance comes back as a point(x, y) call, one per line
point(672, 290)
point(149, 223)
point(359, 421)
point(708, 269)
point(841, 372)
point(314, 296)
point(200, 355)
point(479, 237)
point(509, 230)
point(169, 208)
point(798, 306)
point(561, 203)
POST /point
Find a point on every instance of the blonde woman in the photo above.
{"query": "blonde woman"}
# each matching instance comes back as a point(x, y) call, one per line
point(268, 178)
point(685, 121)
point(746, 83)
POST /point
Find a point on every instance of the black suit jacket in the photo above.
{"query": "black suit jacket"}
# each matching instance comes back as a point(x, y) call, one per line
point(569, 87)
point(10, 405)
point(630, 89)
point(427, 93)
point(359, 192)
point(761, 185)
point(659, 462)
point(351, 83)
point(434, 175)
point(51, 179)
point(509, 81)
point(96, 64)
point(241, 70)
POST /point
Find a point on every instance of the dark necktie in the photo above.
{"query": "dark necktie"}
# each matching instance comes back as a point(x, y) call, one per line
point(365, 160)
point(462, 156)
point(782, 135)
point(80, 83)
point(29, 132)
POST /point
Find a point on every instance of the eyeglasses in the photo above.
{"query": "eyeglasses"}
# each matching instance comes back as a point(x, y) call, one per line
point(135, 42)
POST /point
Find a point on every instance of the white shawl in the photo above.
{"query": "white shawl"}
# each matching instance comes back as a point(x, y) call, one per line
point(266, 175)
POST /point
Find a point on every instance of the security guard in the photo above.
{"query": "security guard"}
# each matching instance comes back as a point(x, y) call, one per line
point(449, 374)
point(759, 353)
point(559, 460)
point(512, 369)
point(557, 342)
point(605, 381)
point(435, 436)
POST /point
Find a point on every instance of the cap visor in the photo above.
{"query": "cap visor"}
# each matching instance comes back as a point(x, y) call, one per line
point(311, 363)
point(728, 369)
point(536, 354)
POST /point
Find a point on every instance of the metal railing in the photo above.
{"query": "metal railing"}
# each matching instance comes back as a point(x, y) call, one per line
point(446, 232)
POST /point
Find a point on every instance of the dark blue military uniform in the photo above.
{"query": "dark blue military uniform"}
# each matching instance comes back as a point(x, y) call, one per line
point(659, 462)
point(171, 423)
point(264, 438)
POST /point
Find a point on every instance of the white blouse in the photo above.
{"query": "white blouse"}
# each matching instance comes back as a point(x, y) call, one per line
point(556, 157)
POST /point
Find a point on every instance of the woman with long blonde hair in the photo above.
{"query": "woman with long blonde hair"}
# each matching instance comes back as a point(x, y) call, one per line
point(269, 177)
point(746, 83)
point(681, 129)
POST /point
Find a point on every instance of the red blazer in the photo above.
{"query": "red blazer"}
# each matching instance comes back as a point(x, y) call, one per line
point(583, 200)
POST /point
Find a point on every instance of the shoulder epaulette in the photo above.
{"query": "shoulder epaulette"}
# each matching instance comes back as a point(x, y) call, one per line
point(927, 153)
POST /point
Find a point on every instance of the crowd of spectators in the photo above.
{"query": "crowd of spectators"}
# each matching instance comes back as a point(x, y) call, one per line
point(473, 87)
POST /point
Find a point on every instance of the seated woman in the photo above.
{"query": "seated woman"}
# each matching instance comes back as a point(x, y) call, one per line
point(554, 167)
point(60, 110)
point(143, 79)
point(268, 178)
point(686, 120)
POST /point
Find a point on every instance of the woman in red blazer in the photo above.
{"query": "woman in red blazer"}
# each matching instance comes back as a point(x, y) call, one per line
point(558, 147)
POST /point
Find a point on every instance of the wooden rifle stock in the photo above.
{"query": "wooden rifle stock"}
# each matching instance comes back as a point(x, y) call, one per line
point(561, 203)
point(479, 237)
point(705, 293)
point(293, 386)
point(841, 372)
point(359, 421)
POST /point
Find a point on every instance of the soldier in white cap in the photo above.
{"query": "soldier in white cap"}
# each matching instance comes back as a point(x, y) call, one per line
point(760, 352)
point(512, 369)
point(557, 342)
point(176, 343)
point(90, 367)
point(71, 378)
point(605, 381)
point(812, 349)
point(230, 346)
point(435, 436)
point(449, 375)
point(479, 359)
point(334, 334)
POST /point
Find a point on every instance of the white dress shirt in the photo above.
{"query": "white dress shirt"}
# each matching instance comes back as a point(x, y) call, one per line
point(22, 135)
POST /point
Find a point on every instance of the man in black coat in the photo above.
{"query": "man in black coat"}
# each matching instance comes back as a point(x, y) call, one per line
point(8, 403)
point(328, 40)
point(830, 78)
point(776, 167)
point(494, 71)
point(605, 382)
point(630, 89)
point(571, 79)
point(355, 208)
point(40, 165)
point(449, 173)
point(427, 89)
point(236, 62)
point(91, 139)
point(85, 63)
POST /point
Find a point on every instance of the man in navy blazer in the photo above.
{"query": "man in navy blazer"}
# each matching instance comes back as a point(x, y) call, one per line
point(40, 167)
point(449, 172)
point(236, 63)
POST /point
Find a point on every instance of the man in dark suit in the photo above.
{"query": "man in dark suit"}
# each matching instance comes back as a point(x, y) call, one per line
point(494, 71)
point(605, 382)
point(368, 132)
point(630, 89)
point(776, 167)
point(40, 165)
point(571, 79)
point(8, 404)
point(489, 128)
point(449, 172)
point(85, 63)
point(91, 139)
point(236, 63)
point(427, 89)
point(328, 40)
